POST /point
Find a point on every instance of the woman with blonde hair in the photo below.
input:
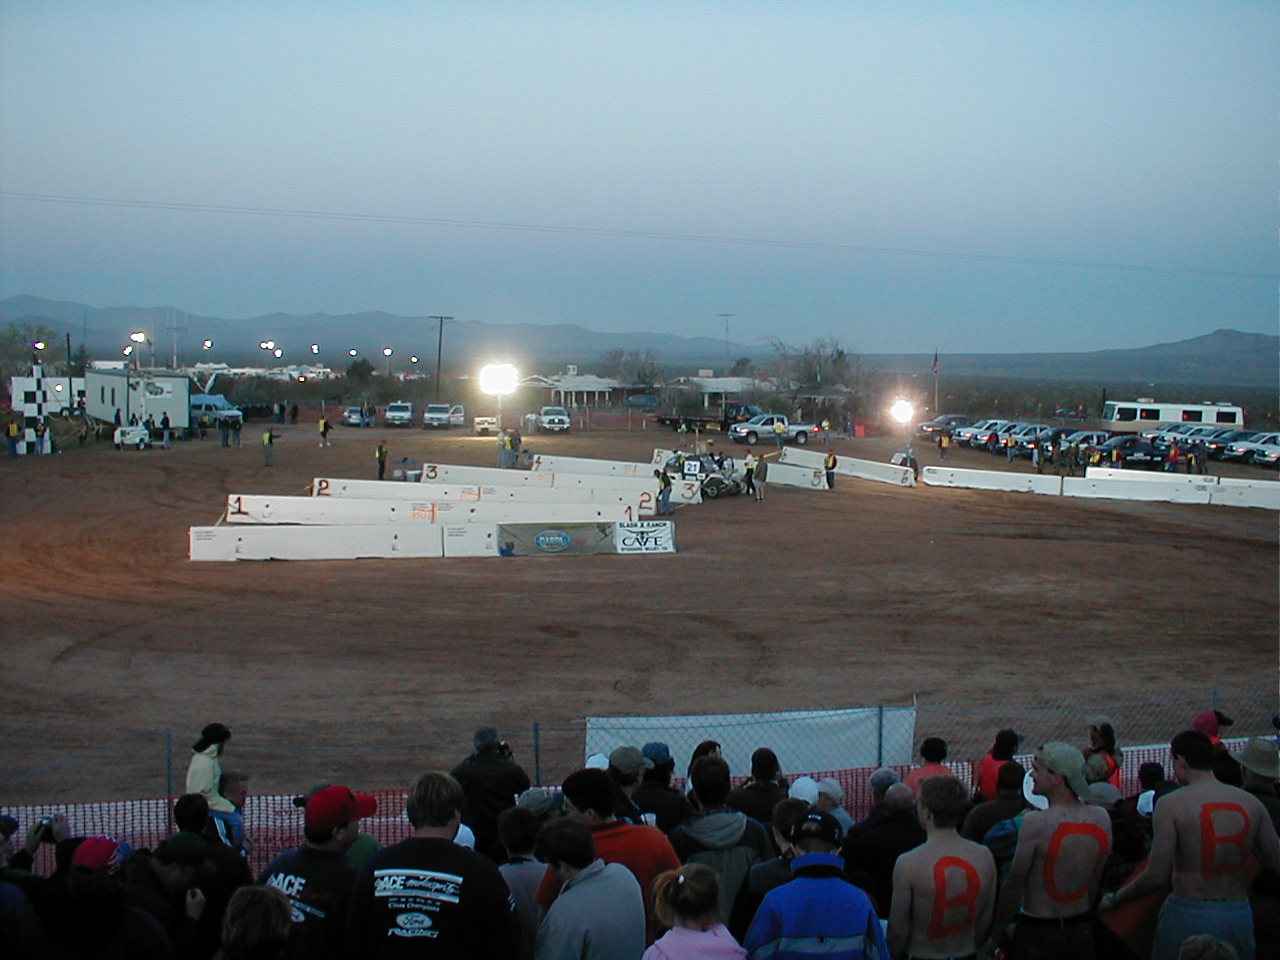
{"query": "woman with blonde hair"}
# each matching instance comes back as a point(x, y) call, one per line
point(687, 900)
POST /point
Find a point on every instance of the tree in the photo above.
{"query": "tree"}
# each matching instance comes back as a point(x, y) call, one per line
point(611, 363)
point(741, 367)
point(818, 367)
point(360, 371)
point(641, 368)
point(15, 347)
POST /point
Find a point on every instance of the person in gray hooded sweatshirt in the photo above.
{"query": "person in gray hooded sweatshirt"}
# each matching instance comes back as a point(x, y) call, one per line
point(724, 839)
point(599, 914)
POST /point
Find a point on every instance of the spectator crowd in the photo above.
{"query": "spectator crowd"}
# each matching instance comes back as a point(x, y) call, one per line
point(619, 862)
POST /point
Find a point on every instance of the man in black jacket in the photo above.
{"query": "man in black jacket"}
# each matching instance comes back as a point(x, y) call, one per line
point(873, 846)
point(428, 896)
point(490, 781)
point(759, 795)
point(656, 795)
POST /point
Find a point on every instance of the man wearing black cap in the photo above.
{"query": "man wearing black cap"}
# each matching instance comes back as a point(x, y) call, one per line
point(168, 884)
point(656, 795)
point(205, 768)
point(491, 781)
point(819, 910)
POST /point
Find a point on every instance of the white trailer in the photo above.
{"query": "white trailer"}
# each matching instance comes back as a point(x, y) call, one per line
point(138, 392)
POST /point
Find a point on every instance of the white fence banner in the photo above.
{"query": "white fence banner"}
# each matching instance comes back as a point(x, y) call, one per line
point(807, 740)
point(645, 536)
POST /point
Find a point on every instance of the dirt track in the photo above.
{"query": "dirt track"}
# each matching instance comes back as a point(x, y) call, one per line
point(370, 671)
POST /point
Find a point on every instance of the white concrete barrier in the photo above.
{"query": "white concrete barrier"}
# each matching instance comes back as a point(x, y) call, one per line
point(851, 467)
point(336, 511)
point(589, 467)
point(1135, 488)
point(1247, 493)
point(793, 475)
point(391, 490)
point(1111, 473)
point(682, 491)
point(470, 540)
point(449, 473)
point(316, 543)
point(991, 480)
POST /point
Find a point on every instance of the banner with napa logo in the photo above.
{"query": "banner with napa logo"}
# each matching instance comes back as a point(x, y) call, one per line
point(555, 539)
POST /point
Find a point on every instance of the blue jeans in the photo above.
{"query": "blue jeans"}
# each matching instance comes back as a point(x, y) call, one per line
point(664, 501)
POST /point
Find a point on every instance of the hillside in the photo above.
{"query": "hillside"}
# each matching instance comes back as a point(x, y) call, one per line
point(1228, 357)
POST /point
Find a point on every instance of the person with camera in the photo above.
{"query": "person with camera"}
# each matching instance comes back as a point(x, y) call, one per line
point(491, 780)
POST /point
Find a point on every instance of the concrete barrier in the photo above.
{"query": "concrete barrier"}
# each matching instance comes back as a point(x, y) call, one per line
point(336, 511)
point(991, 480)
point(1248, 493)
point(391, 490)
point(682, 491)
point(851, 467)
point(316, 543)
point(449, 473)
point(470, 540)
point(1135, 488)
point(792, 475)
point(589, 467)
point(1111, 473)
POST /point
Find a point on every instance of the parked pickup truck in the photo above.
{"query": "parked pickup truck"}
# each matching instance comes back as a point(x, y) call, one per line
point(485, 425)
point(215, 407)
point(443, 416)
point(762, 427)
point(553, 420)
point(722, 419)
point(399, 414)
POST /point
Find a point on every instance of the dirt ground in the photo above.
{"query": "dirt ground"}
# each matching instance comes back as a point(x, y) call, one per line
point(369, 672)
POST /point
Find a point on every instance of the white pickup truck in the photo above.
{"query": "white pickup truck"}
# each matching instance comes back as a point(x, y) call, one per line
point(553, 420)
point(398, 414)
point(763, 427)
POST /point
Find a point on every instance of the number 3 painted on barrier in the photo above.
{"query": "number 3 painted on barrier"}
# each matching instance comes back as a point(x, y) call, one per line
point(430, 471)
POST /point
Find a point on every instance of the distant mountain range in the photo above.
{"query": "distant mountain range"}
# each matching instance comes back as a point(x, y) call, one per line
point(1224, 357)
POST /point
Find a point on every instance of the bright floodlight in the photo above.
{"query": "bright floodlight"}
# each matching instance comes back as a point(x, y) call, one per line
point(39, 344)
point(387, 351)
point(315, 348)
point(271, 344)
point(262, 345)
point(138, 337)
point(414, 358)
point(902, 411)
point(277, 353)
point(499, 379)
point(127, 350)
point(352, 352)
point(207, 345)
point(57, 387)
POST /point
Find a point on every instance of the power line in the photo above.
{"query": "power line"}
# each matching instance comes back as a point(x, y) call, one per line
point(356, 217)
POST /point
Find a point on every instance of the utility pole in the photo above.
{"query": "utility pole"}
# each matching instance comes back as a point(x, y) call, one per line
point(728, 362)
point(439, 347)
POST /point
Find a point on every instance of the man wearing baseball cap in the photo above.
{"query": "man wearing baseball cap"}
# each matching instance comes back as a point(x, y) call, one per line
point(491, 781)
point(1057, 866)
point(656, 795)
point(1205, 837)
point(626, 764)
point(316, 876)
point(205, 768)
point(818, 911)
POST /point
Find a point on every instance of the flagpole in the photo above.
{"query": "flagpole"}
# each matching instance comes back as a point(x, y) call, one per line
point(937, 411)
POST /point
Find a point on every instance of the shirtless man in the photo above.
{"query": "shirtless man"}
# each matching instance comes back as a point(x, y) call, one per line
point(1057, 866)
point(1205, 836)
point(944, 892)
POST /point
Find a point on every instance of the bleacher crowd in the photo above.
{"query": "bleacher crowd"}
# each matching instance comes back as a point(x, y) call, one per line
point(1042, 856)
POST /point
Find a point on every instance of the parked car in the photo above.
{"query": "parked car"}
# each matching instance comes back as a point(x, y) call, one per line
point(215, 407)
point(1087, 439)
point(716, 481)
point(1135, 451)
point(1167, 434)
point(1047, 438)
point(436, 416)
point(975, 435)
point(398, 414)
point(1266, 455)
point(1024, 437)
point(762, 427)
point(1243, 449)
point(1218, 445)
point(553, 420)
point(947, 422)
point(1002, 433)
point(485, 425)
point(354, 417)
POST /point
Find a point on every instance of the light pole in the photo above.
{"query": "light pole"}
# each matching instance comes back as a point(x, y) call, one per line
point(726, 317)
point(206, 344)
point(387, 352)
point(439, 347)
point(499, 380)
point(140, 337)
point(37, 347)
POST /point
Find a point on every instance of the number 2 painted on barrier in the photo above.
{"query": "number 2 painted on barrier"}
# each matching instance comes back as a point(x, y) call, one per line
point(646, 502)
point(322, 488)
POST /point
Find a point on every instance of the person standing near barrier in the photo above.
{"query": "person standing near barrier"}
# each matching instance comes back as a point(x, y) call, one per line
point(380, 454)
point(749, 478)
point(779, 433)
point(11, 434)
point(324, 428)
point(1054, 880)
point(224, 432)
point(944, 444)
point(293, 414)
point(826, 433)
point(762, 476)
point(829, 465)
point(491, 780)
point(1205, 835)
point(205, 769)
point(268, 446)
point(664, 492)
point(944, 891)
point(164, 431)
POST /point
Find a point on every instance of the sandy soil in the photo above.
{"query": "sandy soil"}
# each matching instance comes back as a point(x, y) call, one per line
point(370, 671)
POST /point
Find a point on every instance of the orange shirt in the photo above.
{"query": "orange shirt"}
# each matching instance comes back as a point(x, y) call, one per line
point(920, 774)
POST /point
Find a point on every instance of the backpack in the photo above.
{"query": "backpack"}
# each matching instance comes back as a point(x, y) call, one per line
point(732, 866)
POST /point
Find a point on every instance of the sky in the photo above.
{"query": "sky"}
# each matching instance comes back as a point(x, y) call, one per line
point(981, 177)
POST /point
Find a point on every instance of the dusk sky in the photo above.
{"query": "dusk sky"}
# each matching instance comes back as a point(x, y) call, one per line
point(980, 177)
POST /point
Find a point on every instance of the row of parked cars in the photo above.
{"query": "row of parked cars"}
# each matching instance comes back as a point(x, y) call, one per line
point(1149, 448)
point(442, 416)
